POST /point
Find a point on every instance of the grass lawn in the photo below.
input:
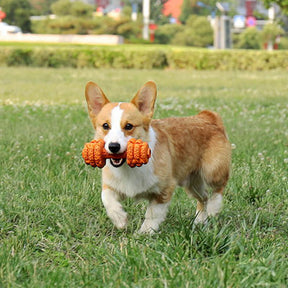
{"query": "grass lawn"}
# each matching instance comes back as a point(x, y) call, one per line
point(53, 228)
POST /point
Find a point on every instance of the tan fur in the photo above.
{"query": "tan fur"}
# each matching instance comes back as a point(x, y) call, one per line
point(192, 152)
point(190, 148)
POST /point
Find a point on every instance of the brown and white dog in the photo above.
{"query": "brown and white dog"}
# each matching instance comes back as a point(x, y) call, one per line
point(192, 152)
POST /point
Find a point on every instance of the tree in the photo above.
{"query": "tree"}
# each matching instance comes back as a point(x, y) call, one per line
point(270, 32)
point(249, 39)
point(197, 32)
point(156, 12)
point(17, 13)
point(42, 7)
point(80, 9)
point(195, 7)
point(165, 33)
point(77, 8)
point(204, 8)
point(283, 4)
point(188, 8)
point(61, 8)
point(156, 8)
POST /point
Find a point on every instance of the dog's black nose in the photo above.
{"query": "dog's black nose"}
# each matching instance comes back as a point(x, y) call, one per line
point(114, 147)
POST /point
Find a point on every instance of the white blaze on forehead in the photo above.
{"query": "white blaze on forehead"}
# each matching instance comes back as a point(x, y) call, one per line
point(116, 134)
point(116, 116)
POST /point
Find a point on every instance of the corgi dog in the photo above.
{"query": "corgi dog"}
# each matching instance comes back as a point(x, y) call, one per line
point(192, 152)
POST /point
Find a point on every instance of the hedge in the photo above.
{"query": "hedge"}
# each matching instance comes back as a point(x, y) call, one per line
point(143, 58)
point(228, 60)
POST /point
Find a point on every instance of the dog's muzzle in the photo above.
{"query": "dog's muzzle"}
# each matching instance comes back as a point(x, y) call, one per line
point(115, 147)
point(117, 162)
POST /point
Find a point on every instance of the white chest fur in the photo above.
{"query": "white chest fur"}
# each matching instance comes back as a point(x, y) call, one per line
point(132, 181)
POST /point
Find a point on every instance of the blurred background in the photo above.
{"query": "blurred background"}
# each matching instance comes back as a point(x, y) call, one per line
point(240, 24)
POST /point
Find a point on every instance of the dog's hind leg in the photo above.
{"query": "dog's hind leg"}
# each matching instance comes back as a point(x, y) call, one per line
point(214, 203)
point(215, 171)
point(195, 186)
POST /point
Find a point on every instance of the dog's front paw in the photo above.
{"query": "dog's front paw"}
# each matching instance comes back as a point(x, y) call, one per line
point(149, 227)
point(119, 219)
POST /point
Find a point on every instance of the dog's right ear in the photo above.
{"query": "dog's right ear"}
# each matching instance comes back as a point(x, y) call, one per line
point(95, 98)
point(145, 98)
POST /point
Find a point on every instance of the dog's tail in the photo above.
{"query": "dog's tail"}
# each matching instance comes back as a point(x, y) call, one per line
point(213, 118)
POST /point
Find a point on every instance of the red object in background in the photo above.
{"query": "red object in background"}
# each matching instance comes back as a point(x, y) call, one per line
point(152, 28)
point(250, 6)
point(2, 15)
point(275, 46)
point(102, 3)
point(250, 21)
point(173, 8)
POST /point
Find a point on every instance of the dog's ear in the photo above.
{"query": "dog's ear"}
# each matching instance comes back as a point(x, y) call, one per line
point(95, 98)
point(145, 98)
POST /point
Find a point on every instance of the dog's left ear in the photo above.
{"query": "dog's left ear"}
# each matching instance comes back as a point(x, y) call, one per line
point(145, 98)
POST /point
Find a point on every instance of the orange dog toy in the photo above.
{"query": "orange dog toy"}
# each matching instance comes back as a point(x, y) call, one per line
point(137, 154)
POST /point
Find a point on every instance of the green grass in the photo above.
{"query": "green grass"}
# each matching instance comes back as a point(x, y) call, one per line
point(53, 228)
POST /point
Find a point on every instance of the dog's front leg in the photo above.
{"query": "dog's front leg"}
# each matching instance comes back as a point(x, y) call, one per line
point(114, 209)
point(155, 215)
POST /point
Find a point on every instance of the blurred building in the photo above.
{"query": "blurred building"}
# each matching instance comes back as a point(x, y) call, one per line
point(247, 7)
point(243, 7)
point(172, 8)
point(108, 6)
point(91, 2)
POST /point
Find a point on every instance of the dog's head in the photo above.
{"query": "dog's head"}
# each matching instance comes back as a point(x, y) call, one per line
point(116, 123)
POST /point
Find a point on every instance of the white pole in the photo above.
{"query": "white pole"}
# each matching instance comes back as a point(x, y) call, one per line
point(271, 14)
point(146, 16)
point(134, 11)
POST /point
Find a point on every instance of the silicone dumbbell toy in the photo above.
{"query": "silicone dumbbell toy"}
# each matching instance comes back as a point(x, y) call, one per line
point(137, 154)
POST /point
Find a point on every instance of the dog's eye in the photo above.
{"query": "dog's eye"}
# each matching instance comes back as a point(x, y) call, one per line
point(106, 126)
point(128, 126)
